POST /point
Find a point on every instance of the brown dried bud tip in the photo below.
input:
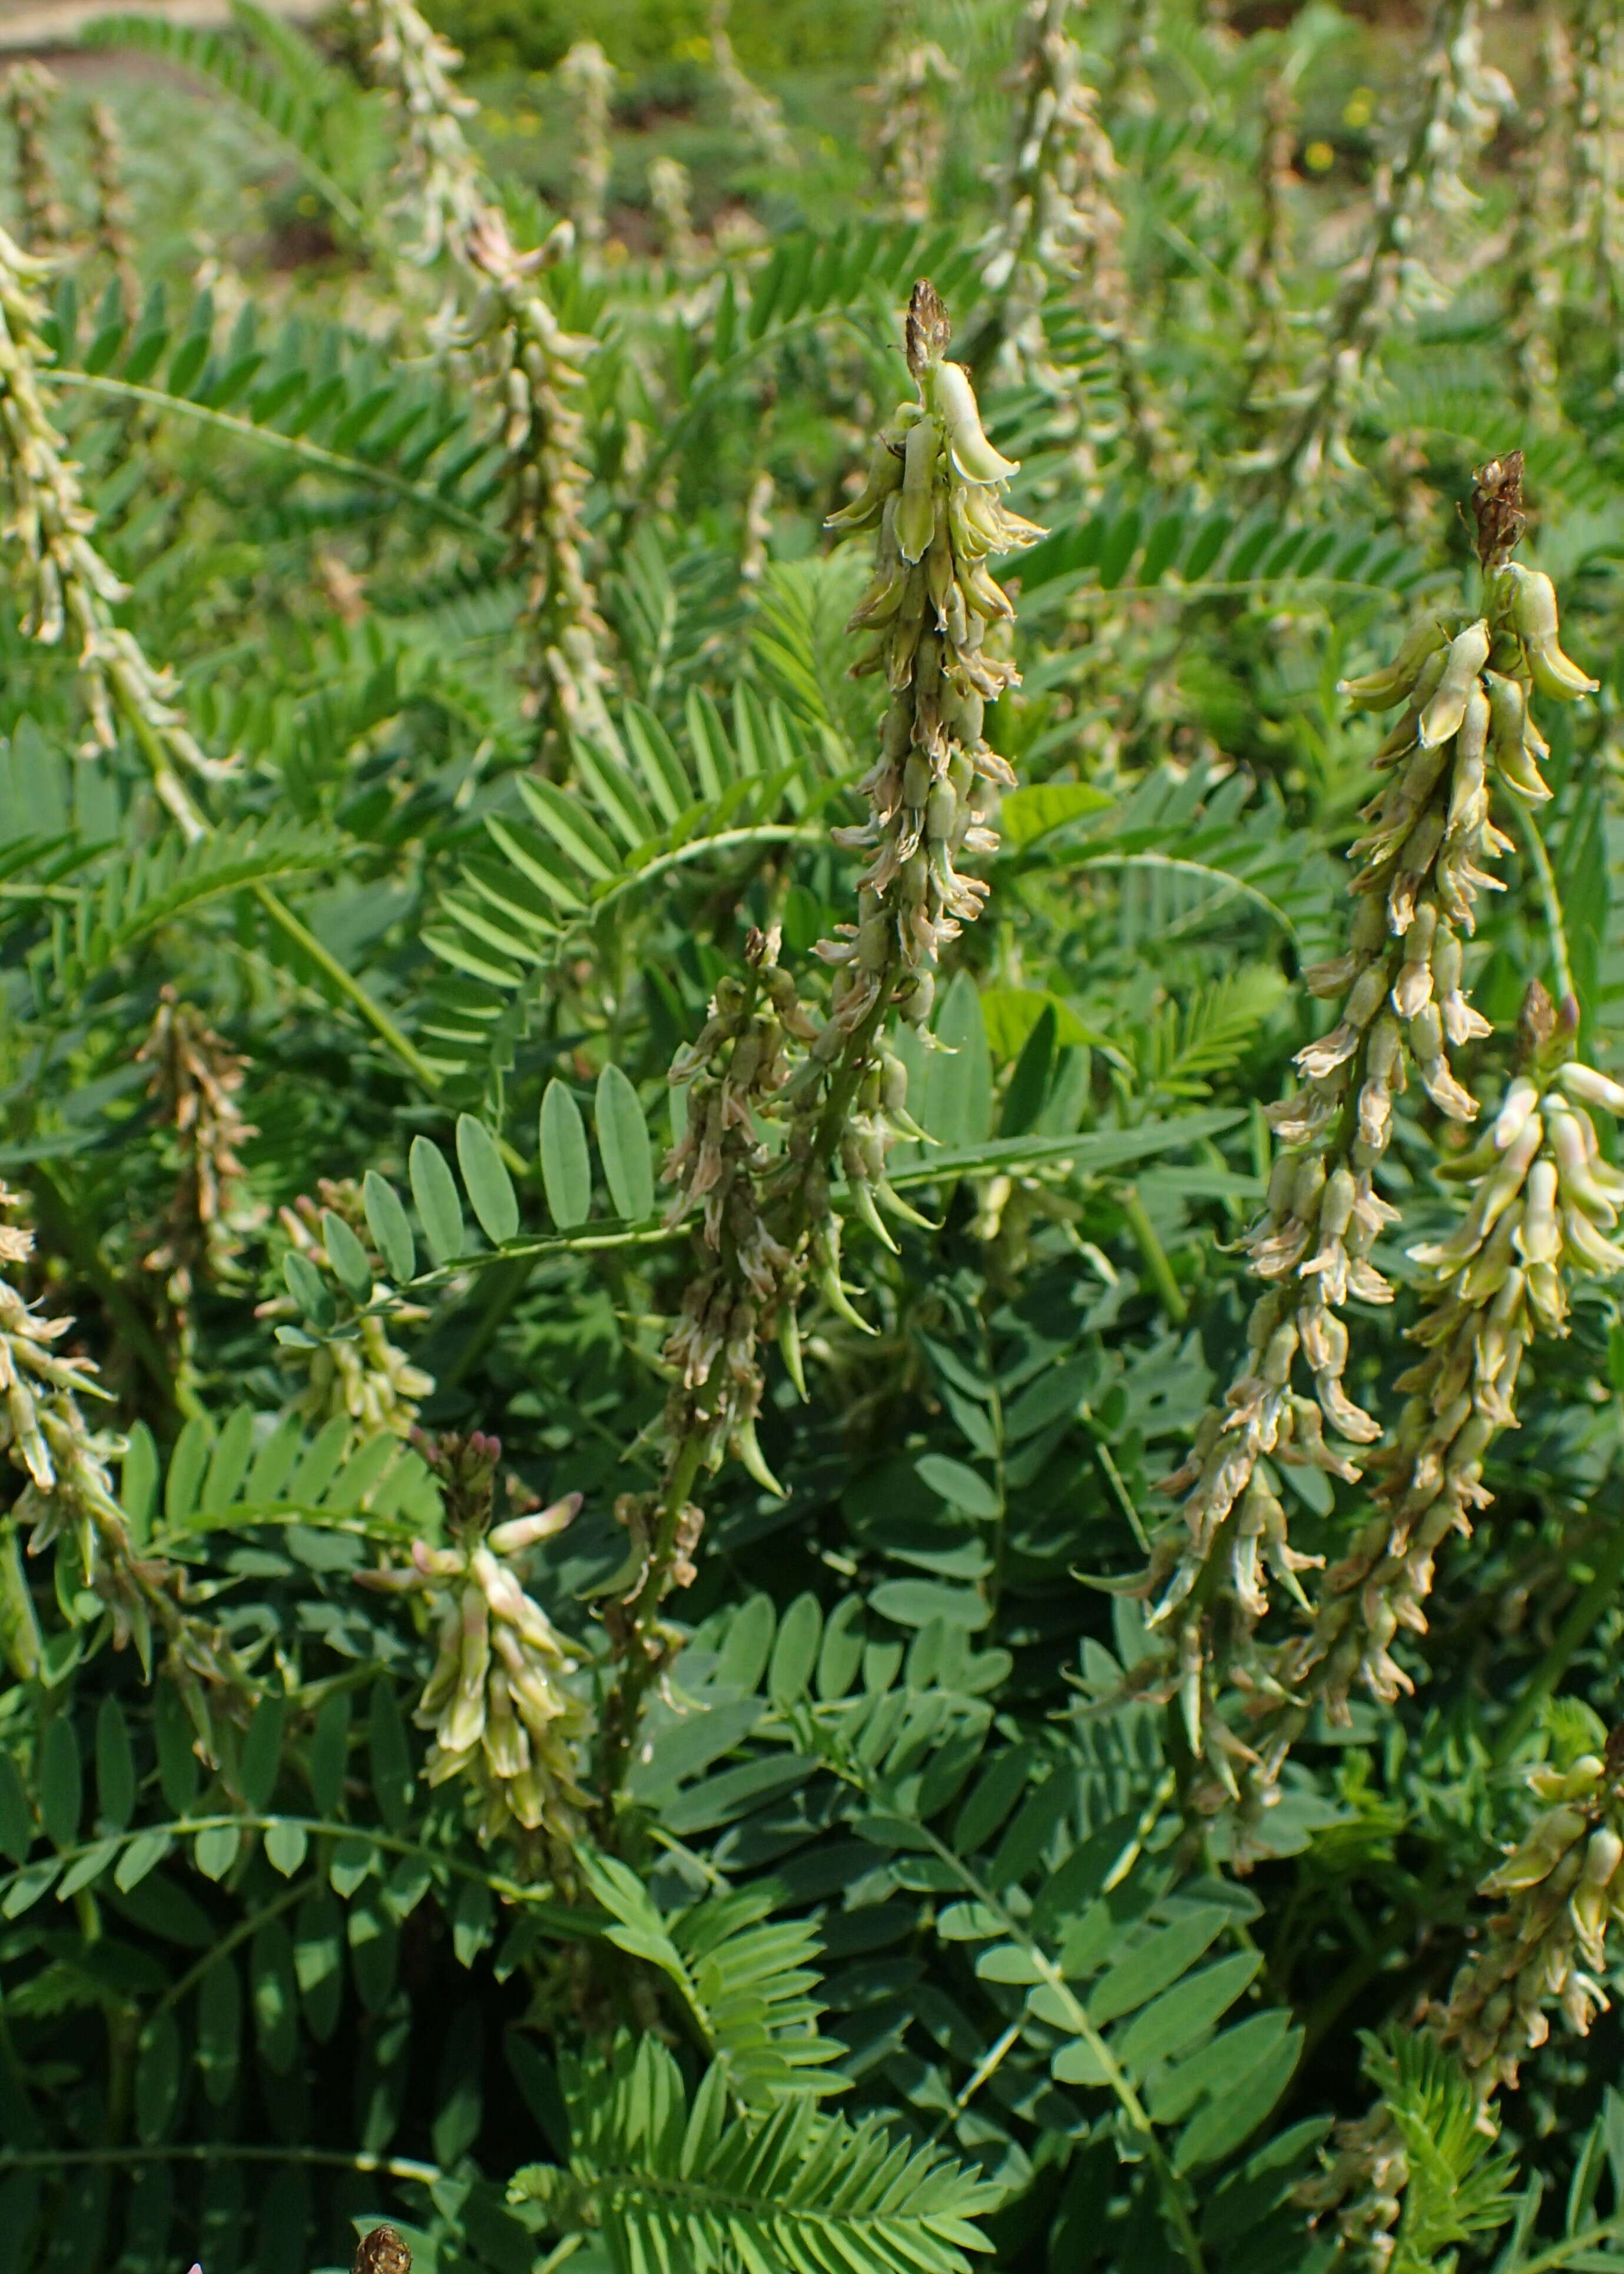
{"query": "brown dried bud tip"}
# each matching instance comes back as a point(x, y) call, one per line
point(928, 330)
point(1536, 1023)
point(382, 2252)
point(1497, 508)
point(1612, 1759)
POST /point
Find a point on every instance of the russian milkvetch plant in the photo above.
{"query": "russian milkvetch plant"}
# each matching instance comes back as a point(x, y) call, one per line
point(555, 1714)
point(1466, 731)
point(939, 622)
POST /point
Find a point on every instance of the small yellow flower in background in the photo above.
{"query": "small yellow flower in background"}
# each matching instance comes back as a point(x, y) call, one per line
point(694, 50)
point(1360, 109)
point(1320, 158)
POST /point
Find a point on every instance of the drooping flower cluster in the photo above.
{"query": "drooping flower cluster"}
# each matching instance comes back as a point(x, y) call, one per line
point(758, 118)
point(194, 1084)
point(544, 371)
point(499, 1699)
point(1463, 100)
point(939, 619)
point(1467, 723)
point(1542, 1203)
point(1546, 1949)
point(910, 134)
point(70, 589)
point(350, 1368)
point(1533, 282)
point(735, 1071)
point(767, 1223)
point(587, 76)
point(68, 1493)
point(1596, 144)
point(31, 94)
point(114, 235)
point(1270, 244)
point(1549, 1945)
point(669, 195)
point(540, 367)
point(1060, 218)
point(449, 190)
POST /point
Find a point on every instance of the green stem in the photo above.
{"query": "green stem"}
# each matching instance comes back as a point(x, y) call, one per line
point(224, 2151)
point(68, 1234)
point(1586, 1608)
point(241, 1932)
point(294, 446)
point(1156, 1256)
point(560, 1916)
point(173, 795)
point(376, 1017)
point(500, 1298)
point(640, 1662)
point(1550, 897)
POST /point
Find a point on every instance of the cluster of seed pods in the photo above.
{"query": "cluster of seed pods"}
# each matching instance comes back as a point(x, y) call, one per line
point(737, 1071)
point(71, 590)
point(499, 1699)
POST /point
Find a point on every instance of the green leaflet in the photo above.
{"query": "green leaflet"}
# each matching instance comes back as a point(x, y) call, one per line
point(566, 1165)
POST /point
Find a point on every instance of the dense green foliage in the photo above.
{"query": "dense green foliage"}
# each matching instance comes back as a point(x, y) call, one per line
point(822, 1839)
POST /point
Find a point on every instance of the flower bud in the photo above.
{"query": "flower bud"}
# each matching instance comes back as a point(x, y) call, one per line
point(1534, 618)
point(1379, 690)
point(1604, 1853)
point(915, 512)
point(1306, 1184)
point(1336, 1204)
point(1539, 1236)
point(1468, 652)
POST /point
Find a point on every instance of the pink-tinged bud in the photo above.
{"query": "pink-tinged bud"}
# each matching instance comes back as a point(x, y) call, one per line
point(522, 1532)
